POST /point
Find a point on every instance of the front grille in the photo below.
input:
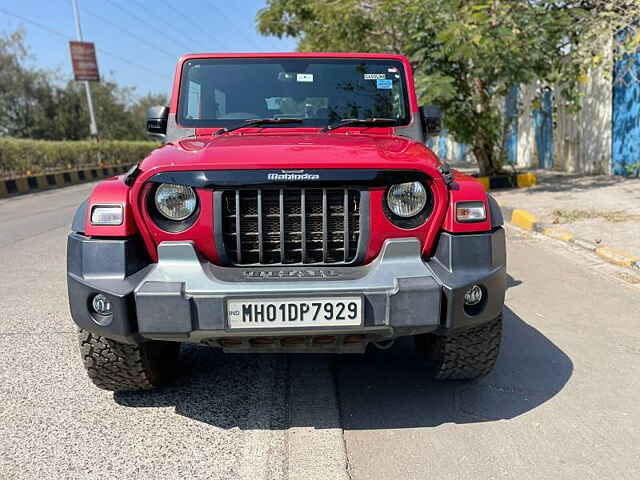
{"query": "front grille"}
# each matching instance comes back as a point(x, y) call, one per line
point(291, 226)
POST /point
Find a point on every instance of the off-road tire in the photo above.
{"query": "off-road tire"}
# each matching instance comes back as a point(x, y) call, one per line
point(466, 355)
point(117, 366)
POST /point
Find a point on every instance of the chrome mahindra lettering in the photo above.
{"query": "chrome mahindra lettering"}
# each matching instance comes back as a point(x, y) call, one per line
point(293, 175)
point(296, 273)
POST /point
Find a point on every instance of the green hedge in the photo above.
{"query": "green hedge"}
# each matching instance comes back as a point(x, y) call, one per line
point(31, 157)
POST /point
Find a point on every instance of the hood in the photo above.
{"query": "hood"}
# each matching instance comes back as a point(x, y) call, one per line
point(289, 150)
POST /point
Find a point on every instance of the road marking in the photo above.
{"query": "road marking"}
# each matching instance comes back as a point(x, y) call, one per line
point(616, 256)
point(523, 219)
point(526, 180)
point(558, 233)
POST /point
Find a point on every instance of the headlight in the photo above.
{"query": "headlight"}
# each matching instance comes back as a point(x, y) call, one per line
point(407, 199)
point(175, 202)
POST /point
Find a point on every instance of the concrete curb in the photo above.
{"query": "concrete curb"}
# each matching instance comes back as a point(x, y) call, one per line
point(520, 180)
point(36, 183)
point(527, 221)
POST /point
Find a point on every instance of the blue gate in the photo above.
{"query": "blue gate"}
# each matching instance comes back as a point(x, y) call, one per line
point(543, 123)
point(511, 117)
point(442, 144)
point(625, 142)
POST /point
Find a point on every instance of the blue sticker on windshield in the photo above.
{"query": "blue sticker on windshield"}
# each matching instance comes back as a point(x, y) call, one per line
point(384, 84)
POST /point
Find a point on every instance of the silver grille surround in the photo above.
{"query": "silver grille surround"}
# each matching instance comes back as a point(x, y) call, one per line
point(291, 226)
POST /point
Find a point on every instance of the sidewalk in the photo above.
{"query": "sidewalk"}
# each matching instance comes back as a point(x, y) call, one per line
point(604, 210)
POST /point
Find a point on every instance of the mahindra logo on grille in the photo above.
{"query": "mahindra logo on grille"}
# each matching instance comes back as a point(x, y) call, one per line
point(293, 175)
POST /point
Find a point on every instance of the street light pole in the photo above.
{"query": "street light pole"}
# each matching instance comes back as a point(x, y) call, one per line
point(93, 128)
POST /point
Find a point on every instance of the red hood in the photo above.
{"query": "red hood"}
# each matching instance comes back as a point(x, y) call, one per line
point(291, 150)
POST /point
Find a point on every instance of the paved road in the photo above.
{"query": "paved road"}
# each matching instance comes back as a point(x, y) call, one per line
point(562, 403)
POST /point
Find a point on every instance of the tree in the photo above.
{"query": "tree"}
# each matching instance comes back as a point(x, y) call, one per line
point(23, 92)
point(466, 54)
point(119, 114)
point(38, 104)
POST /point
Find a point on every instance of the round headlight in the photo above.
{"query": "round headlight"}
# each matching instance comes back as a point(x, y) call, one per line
point(176, 202)
point(407, 199)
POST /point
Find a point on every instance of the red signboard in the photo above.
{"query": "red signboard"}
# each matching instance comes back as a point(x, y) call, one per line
point(83, 58)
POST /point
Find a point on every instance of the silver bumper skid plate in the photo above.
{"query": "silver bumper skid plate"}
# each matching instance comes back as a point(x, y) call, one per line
point(183, 294)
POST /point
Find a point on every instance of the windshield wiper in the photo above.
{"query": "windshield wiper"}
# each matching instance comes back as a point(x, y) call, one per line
point(259, 121)
point(369, 122)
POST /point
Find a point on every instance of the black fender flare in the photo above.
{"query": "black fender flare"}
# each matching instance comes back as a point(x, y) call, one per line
point(497, 220)
point(80, 218)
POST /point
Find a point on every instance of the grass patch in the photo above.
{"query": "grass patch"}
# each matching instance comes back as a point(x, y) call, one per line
point(570, 216)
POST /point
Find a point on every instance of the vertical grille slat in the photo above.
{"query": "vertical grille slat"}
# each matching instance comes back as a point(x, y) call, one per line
point(325, 239)
point(303, 225)
point(281, 212)
point(355, 222)
point(260, 236)
point(238, 229)
point(345, 238)
point(291, 226)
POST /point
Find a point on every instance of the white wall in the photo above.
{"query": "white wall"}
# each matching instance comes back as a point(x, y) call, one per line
point(527, 155)
point(583, 140)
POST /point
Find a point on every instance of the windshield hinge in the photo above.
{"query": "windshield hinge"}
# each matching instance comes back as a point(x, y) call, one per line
point(447, 174)
point(131, 175)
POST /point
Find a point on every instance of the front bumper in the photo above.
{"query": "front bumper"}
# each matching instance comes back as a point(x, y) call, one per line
point(183, 298)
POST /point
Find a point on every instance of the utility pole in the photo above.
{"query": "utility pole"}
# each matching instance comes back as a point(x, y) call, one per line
point(93, 128)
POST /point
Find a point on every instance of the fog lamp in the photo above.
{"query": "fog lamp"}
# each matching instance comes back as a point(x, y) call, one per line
point(473, 296)
point(101, 305)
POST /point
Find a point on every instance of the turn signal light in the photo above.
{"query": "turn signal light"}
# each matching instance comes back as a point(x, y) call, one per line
point(106, 215)
point(470, 212)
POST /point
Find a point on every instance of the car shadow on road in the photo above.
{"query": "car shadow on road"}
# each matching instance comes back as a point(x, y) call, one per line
point(378, 390)
point(393, 391)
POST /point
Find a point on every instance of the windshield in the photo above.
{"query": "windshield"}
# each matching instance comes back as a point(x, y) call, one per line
point(225, 92)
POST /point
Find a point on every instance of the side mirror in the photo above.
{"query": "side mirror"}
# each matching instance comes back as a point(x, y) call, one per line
point(431, 119)
point(157, 118)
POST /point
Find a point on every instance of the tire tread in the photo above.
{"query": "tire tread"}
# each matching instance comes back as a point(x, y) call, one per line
point(469, 354)
point(115, 366)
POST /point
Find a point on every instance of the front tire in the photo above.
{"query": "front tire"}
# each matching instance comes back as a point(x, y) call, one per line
point(117, 366)
point(465, 355)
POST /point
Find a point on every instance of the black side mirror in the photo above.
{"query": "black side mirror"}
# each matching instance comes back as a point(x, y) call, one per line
point(431, 119)
point(157, 118)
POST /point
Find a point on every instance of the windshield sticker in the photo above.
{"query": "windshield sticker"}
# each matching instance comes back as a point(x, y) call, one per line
point(375, 76)
point(392, 69)
point(384, 84)
point(304, 77)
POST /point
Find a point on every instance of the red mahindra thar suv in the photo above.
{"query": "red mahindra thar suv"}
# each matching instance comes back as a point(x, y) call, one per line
point(293, 207)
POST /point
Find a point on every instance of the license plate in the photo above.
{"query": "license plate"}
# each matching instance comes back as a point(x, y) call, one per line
point(285, 313)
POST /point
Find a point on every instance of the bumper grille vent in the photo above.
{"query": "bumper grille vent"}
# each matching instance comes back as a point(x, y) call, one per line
point(291, 226)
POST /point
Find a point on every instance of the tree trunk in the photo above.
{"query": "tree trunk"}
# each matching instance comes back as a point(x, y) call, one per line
point(486, 157)
point(484, 143)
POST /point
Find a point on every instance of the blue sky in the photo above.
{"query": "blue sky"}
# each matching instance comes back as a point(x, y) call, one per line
point(138, 41)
